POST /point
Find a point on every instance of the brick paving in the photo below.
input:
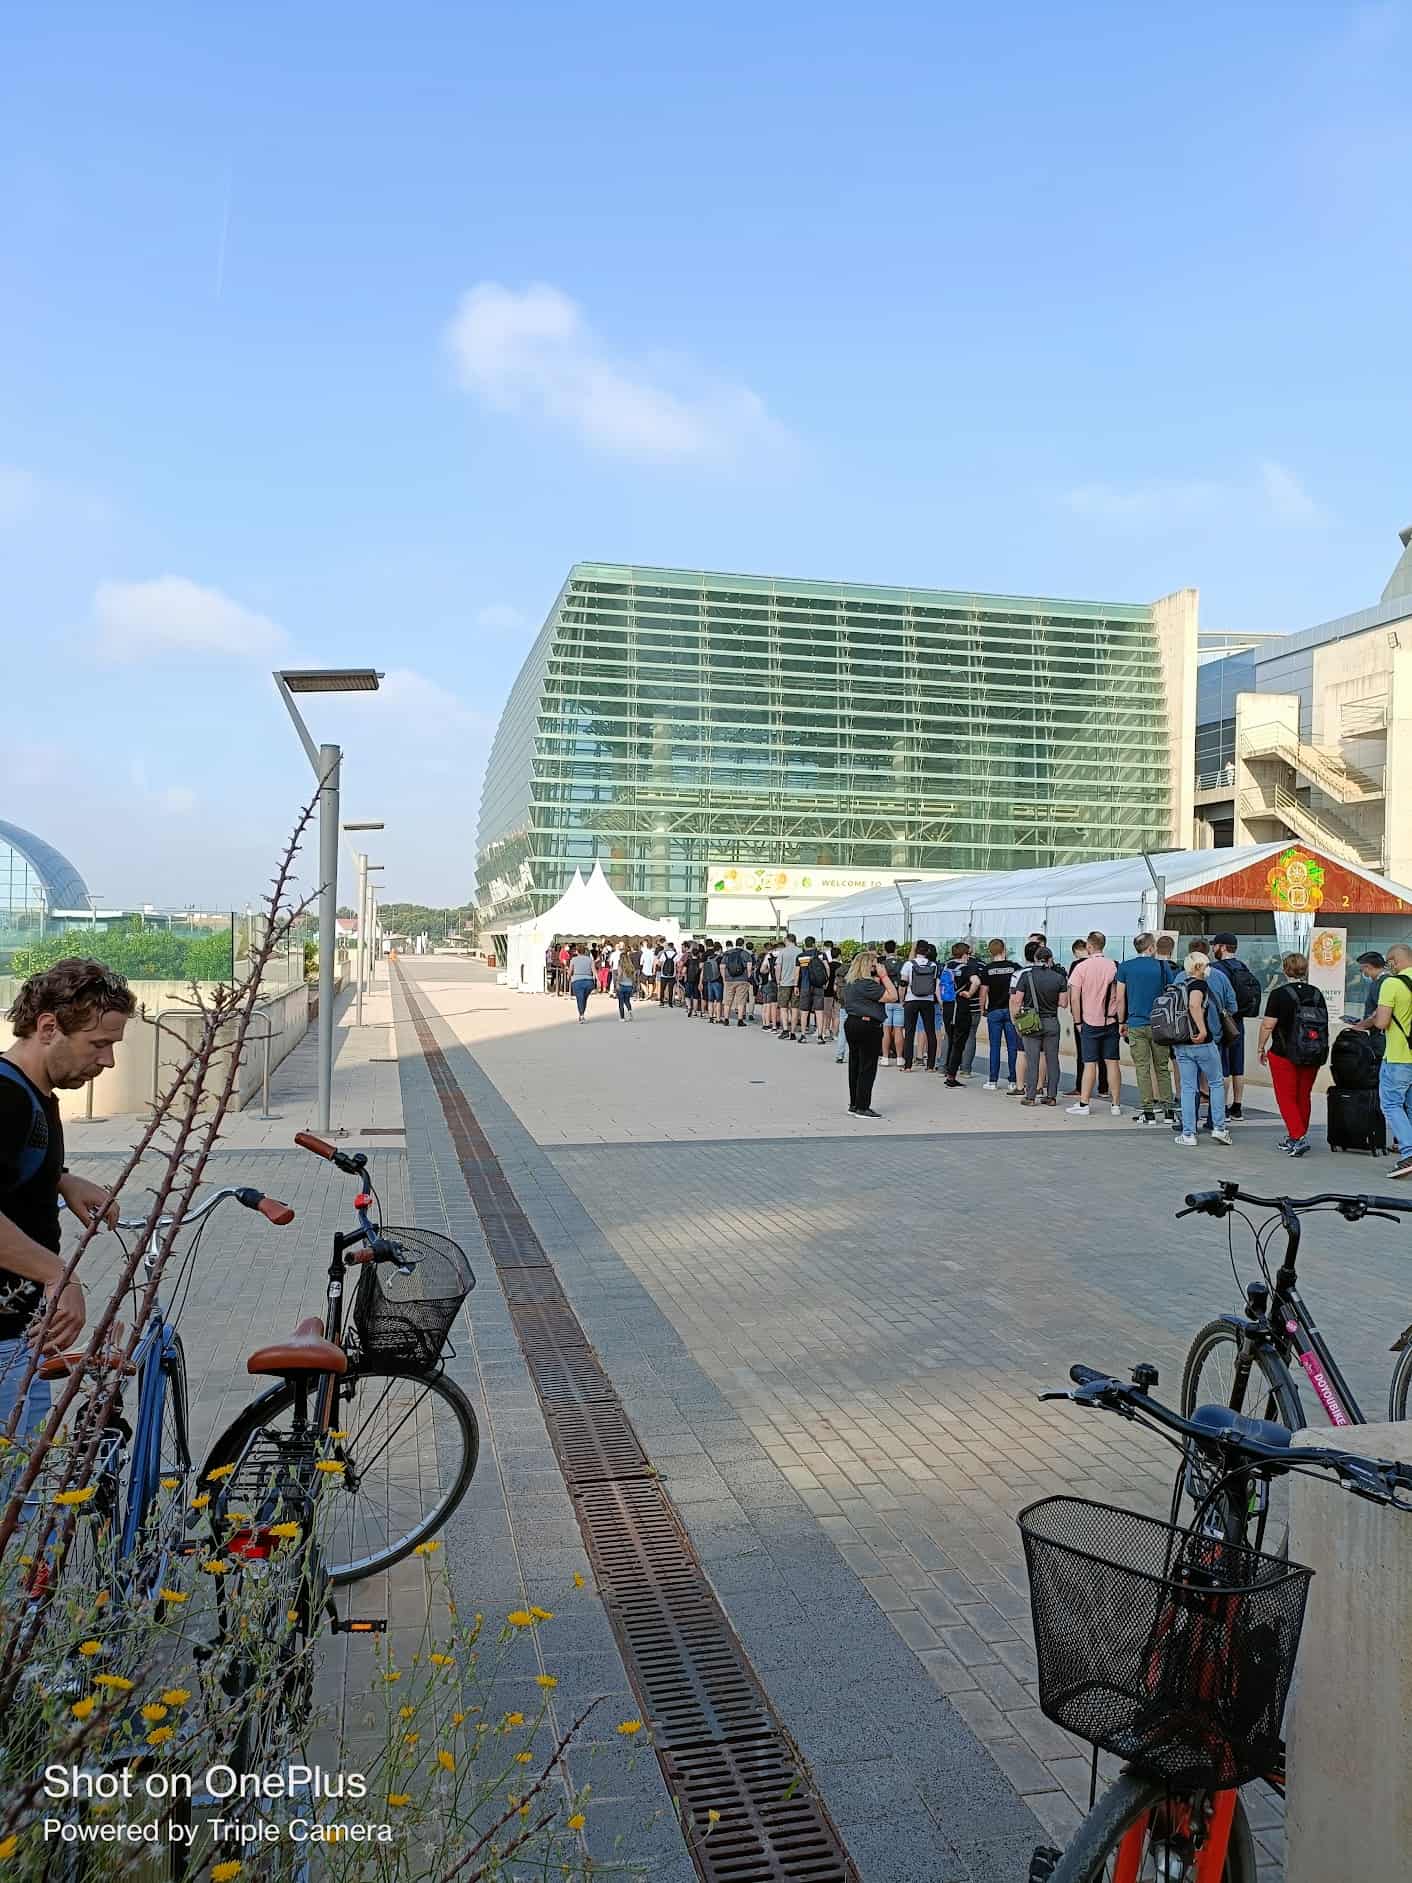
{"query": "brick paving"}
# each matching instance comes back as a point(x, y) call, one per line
point(873, 1320)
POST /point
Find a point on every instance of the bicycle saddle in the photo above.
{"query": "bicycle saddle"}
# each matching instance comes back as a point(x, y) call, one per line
point(1221, 1422)
point(304, 1351)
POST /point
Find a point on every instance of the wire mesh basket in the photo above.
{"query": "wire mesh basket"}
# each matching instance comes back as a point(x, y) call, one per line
point(409, 1317)
point(1173, 1651)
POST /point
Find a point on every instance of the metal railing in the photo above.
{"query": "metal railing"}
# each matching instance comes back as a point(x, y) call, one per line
point(1222, 780)
point(187, 1013)
point(1329, 770)
point(1357, 718)
point(1318, 827)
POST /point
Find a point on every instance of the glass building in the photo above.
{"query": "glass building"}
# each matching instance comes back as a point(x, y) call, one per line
point(35, 880)
point(666, 719)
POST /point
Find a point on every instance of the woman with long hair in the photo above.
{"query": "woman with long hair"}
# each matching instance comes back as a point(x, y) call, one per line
point(867, 991)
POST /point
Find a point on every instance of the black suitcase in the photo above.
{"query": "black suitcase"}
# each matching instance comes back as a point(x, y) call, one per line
point(1355, 1060)
point(1356, 1122)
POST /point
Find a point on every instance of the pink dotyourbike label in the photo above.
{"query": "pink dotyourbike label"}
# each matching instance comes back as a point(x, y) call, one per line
point(1328, 1398)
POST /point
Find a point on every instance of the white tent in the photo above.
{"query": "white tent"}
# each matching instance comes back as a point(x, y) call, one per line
point(585, 911)
point(1117, 895)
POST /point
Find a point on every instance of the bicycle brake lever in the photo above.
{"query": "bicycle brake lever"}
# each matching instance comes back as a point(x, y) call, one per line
point(1386, 1216)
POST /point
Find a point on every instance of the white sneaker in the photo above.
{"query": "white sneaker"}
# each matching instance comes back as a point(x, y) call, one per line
point(1187, 1144)
point(991, 1086)
point(1220, 1137)
point(1077, 1111)
point(1116, 1110)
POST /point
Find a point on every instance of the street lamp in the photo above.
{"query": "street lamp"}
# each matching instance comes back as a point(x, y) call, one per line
point(360, 857)
point(367, 914)
point(326, 760)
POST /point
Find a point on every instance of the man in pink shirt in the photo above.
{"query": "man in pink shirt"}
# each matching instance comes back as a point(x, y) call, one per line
point(1094, 1002)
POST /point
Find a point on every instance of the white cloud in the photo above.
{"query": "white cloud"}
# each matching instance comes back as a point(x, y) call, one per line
point(500, 618)
point(534, 352)
point(1271, 495)
point(172, 615)
point(172, 800)
point(18, 491)
point(424, 710)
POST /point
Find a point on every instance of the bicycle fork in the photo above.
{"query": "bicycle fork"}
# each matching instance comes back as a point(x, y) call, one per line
point(1210, 1854)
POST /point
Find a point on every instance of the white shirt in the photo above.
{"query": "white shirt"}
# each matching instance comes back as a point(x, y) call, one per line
point(649, 961)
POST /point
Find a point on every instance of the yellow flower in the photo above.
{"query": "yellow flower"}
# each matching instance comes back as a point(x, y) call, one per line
point(214, 1477)
point(578, 1584)
point(542, 1614)
point(238, 1516)
point(577, 1821)
point(118, 1682)
point(410, 1739)
point(89, 1648)
point(224, 1872)
point(428, 1549)
point(713, 1817)
point(524, 1813)
point(457, 1719)
point(82, 1708)
point(336, 1434)
point(200, 1502)
point(331, 1464)
point(523, 1758)
point(175, 1595)
point(7, 1847)
point(101, 1599)
point(77, 1497)
point(285, 1530)
point(443, 1660)
point(520, 1618)
point(445, 1761)
point(393, 1673)
point(170, 1484)
point(405, 1712)
point(159, 1735)
point(399, 1798)
point(177, 1696)
point(153, 1712)
point(215, 1567)
point(547, 1681)
point(628, 1727)
point(514, 1719)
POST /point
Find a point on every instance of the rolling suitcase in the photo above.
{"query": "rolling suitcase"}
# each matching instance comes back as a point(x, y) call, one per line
point(1356, 1122)
point(1355, 1060)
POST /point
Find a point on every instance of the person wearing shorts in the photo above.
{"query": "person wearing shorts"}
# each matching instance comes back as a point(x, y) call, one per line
point(769, 991)
point(787, 963)
point(810, 1000)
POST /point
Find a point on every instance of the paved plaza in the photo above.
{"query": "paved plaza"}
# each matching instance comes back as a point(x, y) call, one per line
point(828, 1334)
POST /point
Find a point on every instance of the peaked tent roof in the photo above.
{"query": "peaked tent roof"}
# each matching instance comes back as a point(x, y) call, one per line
point(595, 908)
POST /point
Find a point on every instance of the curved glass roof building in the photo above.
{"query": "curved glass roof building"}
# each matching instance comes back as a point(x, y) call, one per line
point(666, 719)
point(35, 879)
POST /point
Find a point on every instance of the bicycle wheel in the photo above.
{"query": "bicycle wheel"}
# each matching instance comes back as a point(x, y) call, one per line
point(174, 1453)
point(1166, 1850)
point(1209, 1379)
point(1401, 1385)
point(410, 1448)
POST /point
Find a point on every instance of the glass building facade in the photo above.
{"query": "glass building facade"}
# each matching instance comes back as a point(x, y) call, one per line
point(667, 718)
point(35, 879)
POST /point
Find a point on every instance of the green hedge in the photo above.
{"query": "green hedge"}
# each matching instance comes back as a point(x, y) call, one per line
point(146, 954)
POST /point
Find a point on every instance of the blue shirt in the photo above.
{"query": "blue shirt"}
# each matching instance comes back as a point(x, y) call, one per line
point(1144, 976)
point(1218, 986)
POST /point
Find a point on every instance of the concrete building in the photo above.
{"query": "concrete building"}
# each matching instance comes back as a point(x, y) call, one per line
point(672, 723)
point(1310, 736)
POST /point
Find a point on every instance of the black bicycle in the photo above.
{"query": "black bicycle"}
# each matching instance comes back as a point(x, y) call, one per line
point(1172, 1645)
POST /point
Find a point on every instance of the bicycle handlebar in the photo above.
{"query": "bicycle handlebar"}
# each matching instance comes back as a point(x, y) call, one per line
point(1219, 1429)
point(1352, 1208)
point(351, 1163)
point(252, 1199)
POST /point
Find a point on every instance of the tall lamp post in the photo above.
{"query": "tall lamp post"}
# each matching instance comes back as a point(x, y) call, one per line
point(360, 858)
point(368, 913)
point(326, 760)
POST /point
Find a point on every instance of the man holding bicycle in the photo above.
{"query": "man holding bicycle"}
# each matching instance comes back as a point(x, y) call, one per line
point(66, 1022)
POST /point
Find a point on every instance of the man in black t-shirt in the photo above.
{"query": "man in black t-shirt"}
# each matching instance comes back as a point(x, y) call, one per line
point(966, 1014)
point(996, 977)
point(67, 1022)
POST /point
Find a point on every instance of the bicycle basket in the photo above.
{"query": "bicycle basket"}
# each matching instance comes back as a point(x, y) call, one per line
point(408, 1317)
point(1171, 1650)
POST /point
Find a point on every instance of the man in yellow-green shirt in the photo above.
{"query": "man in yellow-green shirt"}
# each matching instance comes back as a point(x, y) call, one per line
point(1393, 1019)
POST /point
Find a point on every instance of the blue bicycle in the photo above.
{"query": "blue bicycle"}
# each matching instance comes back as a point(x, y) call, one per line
point(137, 1519)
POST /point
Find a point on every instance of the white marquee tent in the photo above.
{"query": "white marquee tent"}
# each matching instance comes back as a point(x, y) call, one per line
point(585, 911)
point(1117, 895)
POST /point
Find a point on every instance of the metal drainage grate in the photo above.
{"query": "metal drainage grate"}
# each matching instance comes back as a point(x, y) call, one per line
point(720, 1745)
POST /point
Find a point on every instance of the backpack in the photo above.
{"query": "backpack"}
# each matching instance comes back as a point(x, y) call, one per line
point(948, 983)
point(922, 985)
point(1309, 1032)
point(36, 1145)
point(1171, 1015)
point(737, 962)
point(1406, 981)
point(1244, 984)
point(818, 971)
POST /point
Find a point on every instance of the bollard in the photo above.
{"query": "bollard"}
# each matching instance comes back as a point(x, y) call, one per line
point(1349, 1724)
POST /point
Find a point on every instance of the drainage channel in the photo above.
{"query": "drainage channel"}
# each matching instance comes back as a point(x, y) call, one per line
point(720, 1744)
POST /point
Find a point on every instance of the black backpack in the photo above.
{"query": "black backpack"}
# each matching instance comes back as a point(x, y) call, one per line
point(922, 985)
point(1171, 1015)
point(1355, 1061)
point(1244, 984)
point(35, 1148)
point(737, 962)
point(818, 971)
point(1309, 1030)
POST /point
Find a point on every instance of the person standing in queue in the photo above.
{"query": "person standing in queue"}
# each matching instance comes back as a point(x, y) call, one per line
point(920, 980)
point(867, 992)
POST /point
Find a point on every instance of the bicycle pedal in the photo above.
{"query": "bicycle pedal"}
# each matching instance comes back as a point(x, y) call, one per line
point(1044, 1863)
point(352, 1627)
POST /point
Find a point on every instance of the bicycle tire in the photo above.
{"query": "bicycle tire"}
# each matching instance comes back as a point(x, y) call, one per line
point(346, 1567)
point(1097, 1840)
point(1401, 1386)
point(174, 1453)
point(1279, 1402)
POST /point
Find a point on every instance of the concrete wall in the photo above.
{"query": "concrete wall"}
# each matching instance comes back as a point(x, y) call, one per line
point(127, 1089)
point(1349, 1725)
point(1175, 619)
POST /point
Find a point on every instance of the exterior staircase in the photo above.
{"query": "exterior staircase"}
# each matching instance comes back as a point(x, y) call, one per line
point(1330, 771)
point(1324, 829)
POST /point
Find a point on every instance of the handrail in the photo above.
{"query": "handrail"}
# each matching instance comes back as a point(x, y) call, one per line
point(1348, 783)
point(1279, 802)
point(261, 1010)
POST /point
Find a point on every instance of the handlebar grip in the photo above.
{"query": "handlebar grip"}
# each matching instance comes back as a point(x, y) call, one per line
point(1203, 1199)
point(319, 1146)
point(1086, 1376)
point(277, 1212)
point(1402, 1203)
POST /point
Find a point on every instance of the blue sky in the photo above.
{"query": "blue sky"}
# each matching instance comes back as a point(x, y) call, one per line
point(334, 334)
